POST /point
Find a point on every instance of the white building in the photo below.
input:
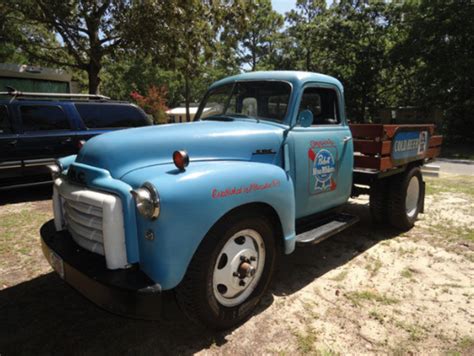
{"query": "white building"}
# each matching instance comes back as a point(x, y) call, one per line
point(179, 114)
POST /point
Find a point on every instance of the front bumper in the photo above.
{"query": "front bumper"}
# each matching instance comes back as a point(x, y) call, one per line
point(126, 292)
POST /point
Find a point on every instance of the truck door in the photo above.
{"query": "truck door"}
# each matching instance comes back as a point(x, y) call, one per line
point(322, 154)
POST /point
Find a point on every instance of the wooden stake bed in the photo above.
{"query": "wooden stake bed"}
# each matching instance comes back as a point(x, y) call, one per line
point(384, 147)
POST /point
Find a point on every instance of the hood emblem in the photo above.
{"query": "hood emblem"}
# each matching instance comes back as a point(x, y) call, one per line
point(264, 151)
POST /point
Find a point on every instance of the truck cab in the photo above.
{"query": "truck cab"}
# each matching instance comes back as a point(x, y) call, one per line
point(201, 211)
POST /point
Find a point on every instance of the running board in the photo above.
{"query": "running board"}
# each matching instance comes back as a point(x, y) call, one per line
point(325, 228)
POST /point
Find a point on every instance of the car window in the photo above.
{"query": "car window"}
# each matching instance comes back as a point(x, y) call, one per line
point(111, 115)
point(5, 126)
point(322, 102)
point(43, 117)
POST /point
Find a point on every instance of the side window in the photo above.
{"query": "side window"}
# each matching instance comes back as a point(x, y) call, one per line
point(41, 118)
point(109, 116)
point(322, 103)
point(5, 126)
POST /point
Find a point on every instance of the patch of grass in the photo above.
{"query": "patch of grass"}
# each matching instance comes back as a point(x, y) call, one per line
point(326, 352)
point(414, 331)
point(465, 344)
point(406, 251)
point(309, 309)
point(407, 273)
point(340, 277)
point(374, 314)
point(373, 266)
point(450, 184)
point(19, 232)
point(305, 341)
point(358, 297)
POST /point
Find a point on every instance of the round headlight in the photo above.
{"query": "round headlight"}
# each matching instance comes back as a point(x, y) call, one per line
point(147, 201)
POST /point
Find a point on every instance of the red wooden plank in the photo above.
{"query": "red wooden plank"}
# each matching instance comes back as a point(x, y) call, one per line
point(380, 131)
point(367, 130)
point(433, 152)
point(436, 141)
point(379, 163)
point(372, 147)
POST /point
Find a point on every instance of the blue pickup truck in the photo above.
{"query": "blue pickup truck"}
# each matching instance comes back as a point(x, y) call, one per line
point(199, 212)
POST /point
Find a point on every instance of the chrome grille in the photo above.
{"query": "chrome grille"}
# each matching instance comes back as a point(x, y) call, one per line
point(84, 223)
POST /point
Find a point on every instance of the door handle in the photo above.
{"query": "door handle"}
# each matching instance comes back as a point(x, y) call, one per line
point(67, 140)
point(347, 139)
point(13, 143)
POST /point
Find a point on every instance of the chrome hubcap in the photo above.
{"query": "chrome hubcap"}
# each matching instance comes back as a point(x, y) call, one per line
point(238, 267)
point(413, 193)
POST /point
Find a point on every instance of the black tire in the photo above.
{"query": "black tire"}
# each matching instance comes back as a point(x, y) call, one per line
point(195, 293)
point(398, 215)
point(378, 200)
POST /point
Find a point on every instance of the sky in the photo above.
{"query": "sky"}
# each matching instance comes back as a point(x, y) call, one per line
point(283, 6)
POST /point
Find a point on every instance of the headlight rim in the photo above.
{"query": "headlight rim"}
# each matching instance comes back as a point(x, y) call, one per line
point(154, 200)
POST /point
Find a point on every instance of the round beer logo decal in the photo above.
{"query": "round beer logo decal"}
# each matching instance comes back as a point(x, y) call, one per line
point(324, 167)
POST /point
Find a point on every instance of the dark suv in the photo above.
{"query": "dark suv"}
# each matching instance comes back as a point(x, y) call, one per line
point(35, 129)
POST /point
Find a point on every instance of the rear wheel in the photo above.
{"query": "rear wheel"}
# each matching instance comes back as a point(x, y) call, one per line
point(405, 198)
point(229, 273)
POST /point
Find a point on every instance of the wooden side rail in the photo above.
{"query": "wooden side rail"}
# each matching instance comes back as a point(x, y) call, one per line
point(373, 144)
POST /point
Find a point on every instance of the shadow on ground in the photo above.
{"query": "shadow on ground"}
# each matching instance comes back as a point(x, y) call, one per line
point(26, 194)
point(44, 315)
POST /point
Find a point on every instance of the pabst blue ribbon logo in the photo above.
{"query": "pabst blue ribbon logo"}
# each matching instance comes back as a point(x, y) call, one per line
point(323, 166)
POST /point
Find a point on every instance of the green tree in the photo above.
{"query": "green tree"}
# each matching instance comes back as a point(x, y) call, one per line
point(257, 41)
point(88, 31)
point(353, 42)
point(190, 31)
point(304, 31)
point(436, 53)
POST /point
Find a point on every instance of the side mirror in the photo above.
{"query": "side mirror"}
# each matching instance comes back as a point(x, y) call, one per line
point(305, 118)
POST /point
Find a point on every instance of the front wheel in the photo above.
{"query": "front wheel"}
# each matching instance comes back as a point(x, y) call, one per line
point(230, 272)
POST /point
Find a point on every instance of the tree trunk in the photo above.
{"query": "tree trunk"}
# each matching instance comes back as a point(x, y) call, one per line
point(186, 95)
point(94, 79)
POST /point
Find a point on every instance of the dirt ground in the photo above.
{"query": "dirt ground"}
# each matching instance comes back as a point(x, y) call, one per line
point(369, 290)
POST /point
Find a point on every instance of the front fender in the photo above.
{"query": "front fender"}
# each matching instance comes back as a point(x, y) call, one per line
point(192, 201)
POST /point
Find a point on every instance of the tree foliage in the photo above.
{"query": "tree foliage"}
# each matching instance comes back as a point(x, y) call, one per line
point(387, 54)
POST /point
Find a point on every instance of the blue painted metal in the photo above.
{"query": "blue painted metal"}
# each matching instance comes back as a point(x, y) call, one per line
point(192, 201)
point(232, 164)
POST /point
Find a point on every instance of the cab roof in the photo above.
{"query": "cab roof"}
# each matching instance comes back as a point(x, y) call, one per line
point(296, 78)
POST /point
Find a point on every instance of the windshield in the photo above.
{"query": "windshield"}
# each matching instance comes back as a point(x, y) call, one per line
point(255, 99)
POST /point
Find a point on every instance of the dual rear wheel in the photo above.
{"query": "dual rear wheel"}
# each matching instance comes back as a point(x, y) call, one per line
point(398, 200)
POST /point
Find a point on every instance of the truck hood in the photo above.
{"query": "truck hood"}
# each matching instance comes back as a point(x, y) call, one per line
point(123, 151)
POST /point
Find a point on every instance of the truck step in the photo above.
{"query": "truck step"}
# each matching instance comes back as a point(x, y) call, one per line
point(331, 225)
